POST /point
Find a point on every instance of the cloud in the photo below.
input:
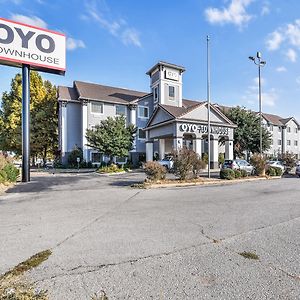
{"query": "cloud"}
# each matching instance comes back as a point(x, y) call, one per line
point(73, 44)
point(116, 27)
point(274, 40)
point(268, 96)
point(287, 36)
point(281, 69)
point(291, 55)
point(265, 10)
point(235, 13)
point(32, 20)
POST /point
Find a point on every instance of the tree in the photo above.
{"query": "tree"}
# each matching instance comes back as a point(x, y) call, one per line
point(247, 133)
point(111, 137)
point(43, 121)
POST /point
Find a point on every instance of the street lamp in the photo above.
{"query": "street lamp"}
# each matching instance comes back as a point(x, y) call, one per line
point(260, 63)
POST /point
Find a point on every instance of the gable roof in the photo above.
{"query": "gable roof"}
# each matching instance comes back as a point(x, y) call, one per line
point(273, 119)
point(67, 93)
point(105, 93)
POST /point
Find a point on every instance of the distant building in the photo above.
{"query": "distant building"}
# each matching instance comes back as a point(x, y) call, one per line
point(285, 134)
point(165, 120)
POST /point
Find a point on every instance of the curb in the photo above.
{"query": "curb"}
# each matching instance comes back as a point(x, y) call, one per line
point(219, 182)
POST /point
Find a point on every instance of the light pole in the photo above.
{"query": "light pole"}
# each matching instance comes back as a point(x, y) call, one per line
point(208, 104)
point(260, 63)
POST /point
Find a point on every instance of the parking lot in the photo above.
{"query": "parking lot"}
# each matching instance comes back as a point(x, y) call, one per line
point(172, 243)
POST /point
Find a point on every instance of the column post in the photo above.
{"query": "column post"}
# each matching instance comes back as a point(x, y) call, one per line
point(214, 154)
point(132, 120)
point(229, 149)
point(161, 148)
point(149, 147)
point(64, 130)
point(177, 143)
point(198, 147)
point(84, 128)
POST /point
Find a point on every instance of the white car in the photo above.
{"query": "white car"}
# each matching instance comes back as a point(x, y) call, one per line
point(298, 170)
point(167, 162)
point(276, 164)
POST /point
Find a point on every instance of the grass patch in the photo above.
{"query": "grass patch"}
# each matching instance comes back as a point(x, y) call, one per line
point(101, 296)
point(12, 287)
point(19, 290)
point(249, 255)
point(27, 265)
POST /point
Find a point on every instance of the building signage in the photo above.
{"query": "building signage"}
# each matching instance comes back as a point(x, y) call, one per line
point(42, 49)
point(190, 128)
point(171, 75)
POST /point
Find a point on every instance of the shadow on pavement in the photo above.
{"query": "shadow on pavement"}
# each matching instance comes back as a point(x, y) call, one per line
point(45, 182)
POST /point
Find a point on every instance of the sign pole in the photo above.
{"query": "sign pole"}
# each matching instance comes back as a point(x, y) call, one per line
point(25, 123)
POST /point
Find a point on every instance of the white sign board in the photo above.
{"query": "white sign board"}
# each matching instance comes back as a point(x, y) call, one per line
point(42, 49)
point(172, 75)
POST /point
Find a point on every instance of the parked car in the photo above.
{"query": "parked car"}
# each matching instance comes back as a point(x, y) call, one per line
point(238, 164)
point(276, 164)
point(298, 170)
point(167, 162)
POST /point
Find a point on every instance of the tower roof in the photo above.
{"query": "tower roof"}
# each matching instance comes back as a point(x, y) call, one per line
point(166, 64)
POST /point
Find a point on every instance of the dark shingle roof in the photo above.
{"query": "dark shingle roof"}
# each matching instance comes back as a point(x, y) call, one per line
point(67, 93)
point(273, 119)
point(180, 111)
point(106, 93)
point(187, 103)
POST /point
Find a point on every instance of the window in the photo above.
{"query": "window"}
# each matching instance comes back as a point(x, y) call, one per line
point(155, 94)
point(96, 108)
point(279, 142)
point(271, 127)
point(289, 129)
point(120, 110)
point(171, 91)
point(143, 112)
point(142, 134)
point(288, 142)
point(295, 143)
point(96, 157)
point(296, 130)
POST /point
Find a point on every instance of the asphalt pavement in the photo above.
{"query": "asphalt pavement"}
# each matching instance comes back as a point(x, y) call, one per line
point(172, 243)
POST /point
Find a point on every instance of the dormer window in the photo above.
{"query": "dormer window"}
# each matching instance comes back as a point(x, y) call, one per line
point(156, 94)
point(171, 91)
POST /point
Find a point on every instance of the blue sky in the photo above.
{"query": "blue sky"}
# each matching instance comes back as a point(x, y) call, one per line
point(115, 42)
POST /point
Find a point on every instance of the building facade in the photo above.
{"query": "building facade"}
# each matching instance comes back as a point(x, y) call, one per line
point(165, 121)
point(285, 135)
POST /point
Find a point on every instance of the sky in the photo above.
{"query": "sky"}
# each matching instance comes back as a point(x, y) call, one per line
point(115, 43)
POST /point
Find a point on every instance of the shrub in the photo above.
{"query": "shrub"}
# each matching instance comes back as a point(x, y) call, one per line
point(72, 158)
point(3, 176)
point(205, 158)
point(271, 171)
point(155, 171)
point(288, 159)
point(3, 161)
point(110, 169)
point(221, 158)
point(228, 174)
point(237, 174)
point(259, 164)
point(187, 162)
point(244, 173)
point(278, 171)
point(12, 172)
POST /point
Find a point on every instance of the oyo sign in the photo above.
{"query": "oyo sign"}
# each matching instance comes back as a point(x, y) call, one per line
point(191, 128)
point(44, 50)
